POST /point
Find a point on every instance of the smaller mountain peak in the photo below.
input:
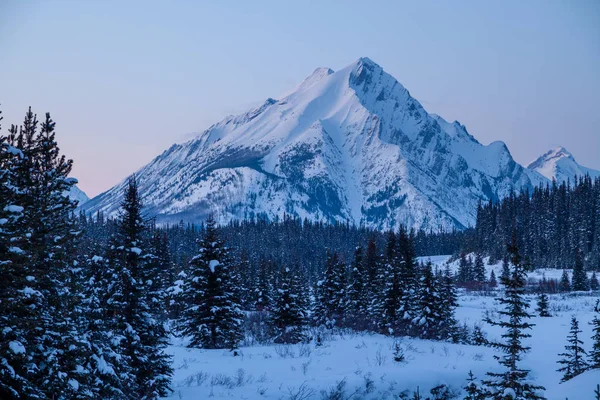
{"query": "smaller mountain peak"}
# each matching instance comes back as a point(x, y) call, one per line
point(315, 77)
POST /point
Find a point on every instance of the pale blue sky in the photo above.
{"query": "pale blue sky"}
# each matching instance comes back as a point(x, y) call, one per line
point(126, 79)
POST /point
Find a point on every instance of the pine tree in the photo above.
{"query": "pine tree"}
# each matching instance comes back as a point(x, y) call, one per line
point(448, 327)
point(474, 392)
point(479, 268)
point(390, 294)
point(595, 353)
point(331, 303)
point(493, 281)
point(211, 313)
point(288, 315)
point(102, 355)
point(594, 284)
point(145, 368)
point(513, 380)
point(356, 312)
point(505, 275)
point(429, 317)
point(16, 316)
point(573, 359)
point(579, 280)
point(263, 290)
point(542, 305)
point(465, 273)
point(564, 285)
point(408, 282)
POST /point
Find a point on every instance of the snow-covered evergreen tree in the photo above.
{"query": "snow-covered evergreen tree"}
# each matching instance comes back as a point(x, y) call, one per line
point(408, 282)
point(512, 383)
point(573, 360)
point(542, 305)
point(428, 317)
point(473, 390)
point(145, 369)
point(580, 280)
point(288, 314)
point(564, 284)
point(493, 282)
point(264, 288)
point(479, 268)
point(358, 300)
point(18, 309)
point(331, 303)
point(211, 314)
point(448, 328)
point(595, 353)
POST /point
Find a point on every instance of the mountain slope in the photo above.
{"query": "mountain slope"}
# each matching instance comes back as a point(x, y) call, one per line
point(559, 164)
point(351, 145)
point(77, 194)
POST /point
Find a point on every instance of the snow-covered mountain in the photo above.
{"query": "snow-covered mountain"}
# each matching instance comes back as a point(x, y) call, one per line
point(351, 145)
point(77, 194)
point(559, 164)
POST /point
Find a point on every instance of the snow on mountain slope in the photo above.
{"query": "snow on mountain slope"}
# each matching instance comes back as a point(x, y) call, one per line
point(77, 194)
point(559, 164)
point(351, 145)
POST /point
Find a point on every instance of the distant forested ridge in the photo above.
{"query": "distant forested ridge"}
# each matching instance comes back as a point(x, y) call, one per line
point(552, 225)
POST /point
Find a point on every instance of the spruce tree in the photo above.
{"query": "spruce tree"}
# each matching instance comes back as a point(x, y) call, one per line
point(288, 315)
point(579, 280)
point(505, 275)
point(493, 281)
point(211, 314)
point(564, 285)
point(17, 366)
point(542, 305)
point(408, 282)
point(465, 273)
point(479, 268)
point(513, 380)
point(594, 284)
point(264, 289)
point(331, 302)
point(356, 312)
point(145, 368)
point(448, 328)
point(574, 358)
point(595, 353)
point(390, 294)
point(473, 390)
point(429, 316)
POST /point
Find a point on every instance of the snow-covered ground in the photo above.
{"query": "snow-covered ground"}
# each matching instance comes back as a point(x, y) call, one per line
point(364, 362)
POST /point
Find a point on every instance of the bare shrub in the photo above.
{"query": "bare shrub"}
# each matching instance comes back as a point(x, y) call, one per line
point(302, 392)
point(285, 351)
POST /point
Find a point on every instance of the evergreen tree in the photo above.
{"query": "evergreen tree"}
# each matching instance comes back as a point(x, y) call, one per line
point(390, 294)
point(429, 317)
point(331, 303)
point(479, 268)
point(573, 359)
point(493, 281)
point(542, 305)
point(505, 275)
point(580, 280)
point(356, 313)
point(513, 380)
point(288, 315)
point(18, 310)
point(595, 353)
point(465, 273)
point(448, 327)
point(594, 284)
point(145, 368)
point(103, 354)
point(211, 313)
point(263, 290)
point(564, 285)
point(409, 284)
point(474, 392)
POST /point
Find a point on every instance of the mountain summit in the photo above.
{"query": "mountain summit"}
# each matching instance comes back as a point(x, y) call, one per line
point(560, 165)
point(351, 145)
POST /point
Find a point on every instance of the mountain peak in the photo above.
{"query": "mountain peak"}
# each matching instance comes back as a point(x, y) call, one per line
point(559, 164)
